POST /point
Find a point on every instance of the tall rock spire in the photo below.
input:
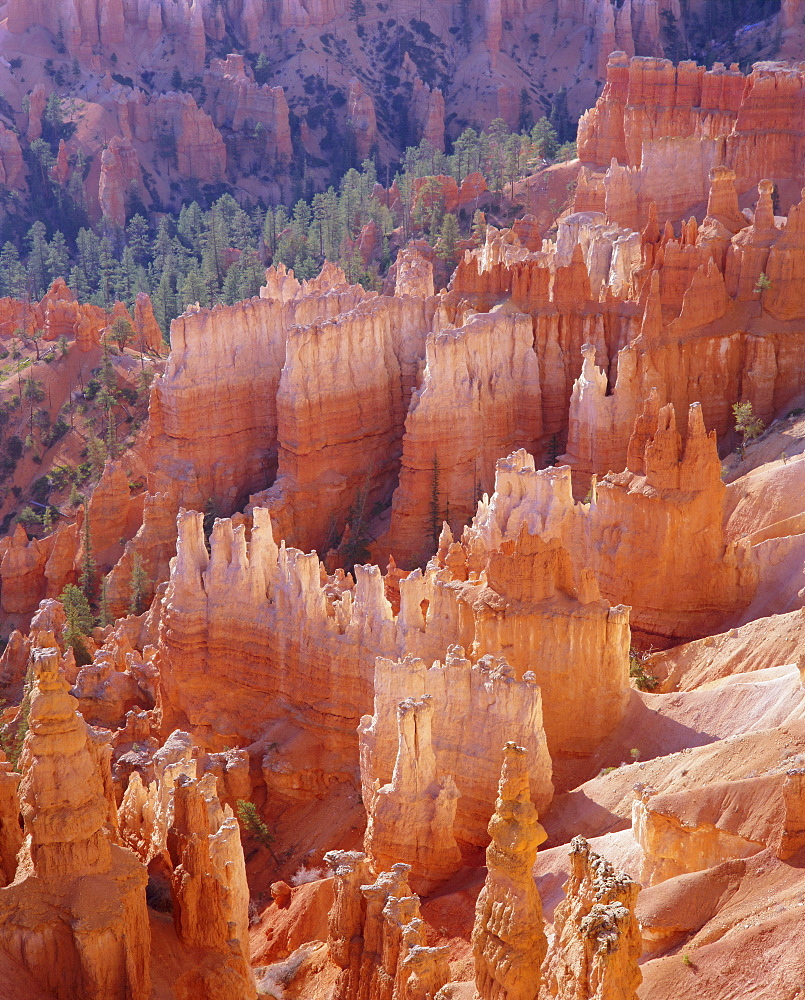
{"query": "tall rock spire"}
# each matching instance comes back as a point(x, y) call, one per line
point(508, 939)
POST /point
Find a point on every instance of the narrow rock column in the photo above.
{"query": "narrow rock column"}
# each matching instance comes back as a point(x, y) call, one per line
point(597, 941)
point(347, 917)
point(211, 897)
point(377, 936)
point(411, 819)
point(75, 914)
point(508, 939)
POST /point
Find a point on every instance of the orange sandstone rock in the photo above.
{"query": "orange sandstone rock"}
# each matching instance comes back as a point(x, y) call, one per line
point(596, 942)
point(214, 439)
point(120, 178)
point(377, 937)
point(475, 707)
point(480, 398)
point(78, 900)
point(10, 832)
point(361, 111)
point(147, 331)
point(22, 571)
point(508, 938)
point(412, 817)
point(237, 102)
point(211, 897)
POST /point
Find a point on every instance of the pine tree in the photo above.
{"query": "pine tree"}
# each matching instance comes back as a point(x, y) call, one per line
point(88, 573)
point(357, 10)
point(137, 586)
point(104, 614)
point(138, 239)
point(525, 118)
point(435, 508)
point(37, 258)
point(58, 257)
point(250, 820)
point(262, 68)
point(120, 332)
point(544, 139)
point(111, 429)
point(479, 227)
point(449, 235)
point(96, 451)
point(33, 393)
point(12, 275)
point(746, 424)
point(560, 117)
point(80, 622)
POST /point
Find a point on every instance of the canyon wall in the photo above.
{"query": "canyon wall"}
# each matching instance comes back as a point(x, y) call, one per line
point(652, 113)
point(312, 641)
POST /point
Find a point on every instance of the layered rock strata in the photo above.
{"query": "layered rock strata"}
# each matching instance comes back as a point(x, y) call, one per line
point(214, 439)
point(474, 706)
point(360, 369)
point(744, 123)
point(684, 832)
point(488, 369)
point(310, 641)
point(412, 817)
point(235, 101)
point(210, 894)
point(720, 576)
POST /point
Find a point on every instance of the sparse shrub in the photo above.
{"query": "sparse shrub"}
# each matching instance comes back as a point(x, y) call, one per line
point(305, 875)
point(643, 679)
point(746, 424)
point(277, 976)
point(11, 740)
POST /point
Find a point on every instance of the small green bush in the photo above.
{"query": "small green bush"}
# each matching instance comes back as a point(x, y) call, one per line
point(644, 681)
point(251, 822)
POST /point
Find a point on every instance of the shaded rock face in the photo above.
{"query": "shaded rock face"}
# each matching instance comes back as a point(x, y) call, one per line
point(121, 177)
point(177, 820)
point(215, 440)
point(508, 939)
point(236, 101)
point(489, 370)
point(597, 941)
point(76, 907)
